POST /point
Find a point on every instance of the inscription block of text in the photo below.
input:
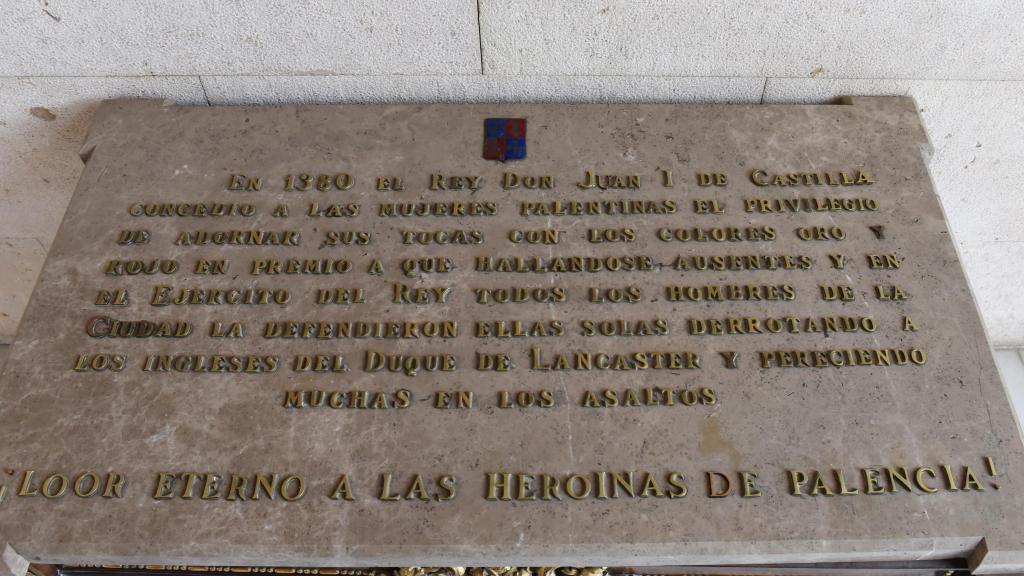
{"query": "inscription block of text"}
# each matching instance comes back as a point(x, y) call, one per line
point(357, 335)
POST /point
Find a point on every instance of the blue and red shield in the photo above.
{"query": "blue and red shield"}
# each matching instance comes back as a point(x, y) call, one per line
point(504, 139)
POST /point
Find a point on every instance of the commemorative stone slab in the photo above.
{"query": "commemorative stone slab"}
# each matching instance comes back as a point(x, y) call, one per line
point(506, 335)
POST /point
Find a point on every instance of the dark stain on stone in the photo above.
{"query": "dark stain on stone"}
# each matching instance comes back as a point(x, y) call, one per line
point(42, 113)
point(712, 442)
point(45, 5)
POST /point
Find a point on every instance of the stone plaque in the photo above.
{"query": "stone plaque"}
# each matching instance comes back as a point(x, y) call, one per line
point(506, 335)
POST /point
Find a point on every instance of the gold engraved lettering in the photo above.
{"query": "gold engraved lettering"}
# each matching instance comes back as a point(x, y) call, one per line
point(210, 363)
point(342, 490)
point(500, 362)
point(600, 485)
point(825, 325)
point(137, 267)
point(239, 238)
point(890, 293)
point(627, 328)
point(883, 261)
point(559, 264)
point(542, 236)
point(747, 484)
point(603, 235)
point(526, 399)
point(519, 328)
point(730, 292)
point(517, 295)
point(86, 484)
point(836, 358)
point(809, 204)
point(412, 267)
point(619, 207)
point(185, 210)
point(409, 365)
point(609, 181)
point(499, 486)
point(418, 489)
point(456, 399)
point(453, 209)
point(708, 206)
point(322, 182)
point(340, 296)
point(382, 329)
point(879, 480)
point(318, 210)
point(236, 488)
point(107, 327)
point(797, 480)
point(296, 266)
point(717, 234)
point(649, 396)
point(322, 363)
point(211, 267)
point(666, 178)
point(719, 485)
point(133, 237)
point(346, 238)
point(731, 359)
point(511, 180)
point(711, 179)
point(899, 475)
point(526, 490)
point(442, 237)
point(112, 298)
point(871, 481)
point(100, 363)
point(114, 486)
point(442, 182)
point(447, 484)
point(919, 479)
point(392, 183)
point(762, 177)
point(244, 183)
point(54, 486)
point(971, 481)
point(631, 361)
point(839, 292)
point(211, 483)
point(615, 294)
point(736, 263)
point(405, 294)
point(164, 483)
point(232, 330)
point(293, 488)
point(166, 296)
point(354, 399)
point(820, 233)
point(232, 487)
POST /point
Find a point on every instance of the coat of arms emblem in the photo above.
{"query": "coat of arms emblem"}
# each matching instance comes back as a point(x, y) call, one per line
point(504, 139)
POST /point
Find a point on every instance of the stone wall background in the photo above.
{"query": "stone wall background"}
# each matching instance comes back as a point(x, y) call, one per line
point(961, 60)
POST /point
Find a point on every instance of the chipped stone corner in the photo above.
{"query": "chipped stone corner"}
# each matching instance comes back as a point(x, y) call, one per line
point(901, 110)
point(109, 117)
point(12, 563)
point(986, 560)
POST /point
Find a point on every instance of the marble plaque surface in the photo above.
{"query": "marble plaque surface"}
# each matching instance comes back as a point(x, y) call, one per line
point(506, 335)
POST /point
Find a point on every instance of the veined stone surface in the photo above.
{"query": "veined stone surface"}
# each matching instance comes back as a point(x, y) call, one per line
point(820, 430)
